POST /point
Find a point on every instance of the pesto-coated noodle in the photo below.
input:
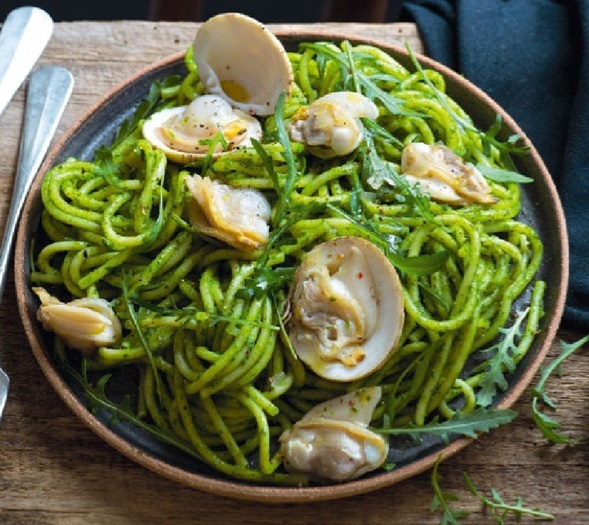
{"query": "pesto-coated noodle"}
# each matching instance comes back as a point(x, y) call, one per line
point(202, 320)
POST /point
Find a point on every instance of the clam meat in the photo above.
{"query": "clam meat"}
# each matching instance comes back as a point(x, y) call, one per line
point(185, 133)
point(332, 442)
point(345, 309)
point(331, 126)
point(444, 175)
point(83, 324)
point(236, 216)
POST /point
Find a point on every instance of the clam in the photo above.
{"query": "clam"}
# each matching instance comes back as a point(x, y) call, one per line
point(243, 68)
point(185, 133)
point(331, 126)
point(332, 441)
point(239, 59)
point(83, 324)
point(346, 309)
point(444, 175)
point(237, 216)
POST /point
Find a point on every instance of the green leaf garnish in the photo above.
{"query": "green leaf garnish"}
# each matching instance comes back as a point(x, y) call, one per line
point(360, 82)
point(378, 132)
point(291, 168)
point(106, 166)
point(378, 173)
point(97, 398)
point(501, 175)
point(144, 109)
point(268, 165)
point(418, 265)
point(500, 363)
point(477, 421)
point(212, 143)
point(143, 340)
point(267, 280)
point(189, 314)
point(547, 425)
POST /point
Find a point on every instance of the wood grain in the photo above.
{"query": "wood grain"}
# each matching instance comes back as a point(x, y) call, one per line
point(54, 471)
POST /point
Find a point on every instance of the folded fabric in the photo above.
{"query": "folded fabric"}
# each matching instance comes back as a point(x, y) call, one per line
point(529, 55)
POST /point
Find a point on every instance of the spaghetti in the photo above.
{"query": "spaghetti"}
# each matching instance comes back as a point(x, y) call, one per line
point(202, 321)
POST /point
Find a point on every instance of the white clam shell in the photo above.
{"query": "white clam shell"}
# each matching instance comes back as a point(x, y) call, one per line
point(330, 126)
point(239, 59)
point(181, 132)
point(237, 216)
point(83, 324)
point(346, 306)
point(444, 175)
point(332, 441)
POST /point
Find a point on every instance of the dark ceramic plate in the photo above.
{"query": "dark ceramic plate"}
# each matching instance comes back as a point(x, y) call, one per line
point(540, 208)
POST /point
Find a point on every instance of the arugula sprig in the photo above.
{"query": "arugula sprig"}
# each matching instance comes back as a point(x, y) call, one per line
point(357, 80)
point(417, 265)
point(212, 143)
point(470, 425)
point(442, 498)
point(284, 191)
point(501, 175)
point(378, 173)
point(548, 425)
point(143, 340)
point(502, 362)
point(189, 313)
point(495, 505)
point(499, 509)
point(103, 157)
point(97, 398)
point(144, 109)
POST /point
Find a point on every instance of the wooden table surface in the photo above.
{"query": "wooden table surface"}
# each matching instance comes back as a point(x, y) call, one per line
point(54, 470)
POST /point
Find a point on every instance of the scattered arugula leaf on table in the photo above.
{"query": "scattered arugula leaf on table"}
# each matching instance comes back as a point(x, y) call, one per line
point(548, 425)
point(441, 500)
point(498, 508)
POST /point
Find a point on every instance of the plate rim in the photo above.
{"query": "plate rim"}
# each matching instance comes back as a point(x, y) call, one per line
point(265, 493)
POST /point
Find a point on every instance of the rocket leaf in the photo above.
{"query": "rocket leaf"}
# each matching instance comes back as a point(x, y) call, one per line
point(548, 425)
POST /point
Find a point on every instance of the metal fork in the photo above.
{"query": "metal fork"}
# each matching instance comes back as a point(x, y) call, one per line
point(24, 35)
point(48, 92)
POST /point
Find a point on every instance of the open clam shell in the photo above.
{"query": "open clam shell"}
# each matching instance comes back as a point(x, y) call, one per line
point(332, 442)
point(347, 310)
point(239, 59)
point(184, 133)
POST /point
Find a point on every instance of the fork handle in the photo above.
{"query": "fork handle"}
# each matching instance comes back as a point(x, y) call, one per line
point(48, 92)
